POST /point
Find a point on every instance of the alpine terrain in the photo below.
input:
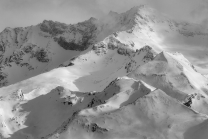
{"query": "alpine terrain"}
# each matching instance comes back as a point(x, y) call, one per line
point(107, 78)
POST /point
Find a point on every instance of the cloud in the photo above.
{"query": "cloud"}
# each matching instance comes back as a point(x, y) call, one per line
point(80, 9)
point(26, 12)
point(191, 10)
point(195, 11)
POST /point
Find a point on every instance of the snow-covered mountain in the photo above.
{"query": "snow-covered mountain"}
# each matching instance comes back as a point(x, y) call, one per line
point(108, 78)
point(26, 52)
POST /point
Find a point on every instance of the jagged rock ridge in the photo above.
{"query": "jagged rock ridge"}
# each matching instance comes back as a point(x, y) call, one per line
point(113, 81)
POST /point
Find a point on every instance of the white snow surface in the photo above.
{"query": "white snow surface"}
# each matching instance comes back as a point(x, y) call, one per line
point(119, 83)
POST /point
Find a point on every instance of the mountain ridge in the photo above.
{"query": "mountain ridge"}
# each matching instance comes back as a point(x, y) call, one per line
point(106, 78)
point(17, 44)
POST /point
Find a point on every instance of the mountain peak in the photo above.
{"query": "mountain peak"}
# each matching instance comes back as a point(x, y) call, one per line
point(52, 27)
point(51, 22)
point(7, 29)
point(91, 20)
point(110, 69)
point(112, 13)
point(161, 57)
point(140, 9)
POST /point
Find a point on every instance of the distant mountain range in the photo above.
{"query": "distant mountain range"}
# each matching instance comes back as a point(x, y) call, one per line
point(110, 78)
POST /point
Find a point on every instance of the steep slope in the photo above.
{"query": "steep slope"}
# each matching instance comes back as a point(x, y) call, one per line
point(176, 76)
point(125, 108)
point(120, 92)
point(155, 115)
point(26, 52)
point(163, 33)
point(35, 115)
point(112, 80)
point(92, 71)
point(29, 51)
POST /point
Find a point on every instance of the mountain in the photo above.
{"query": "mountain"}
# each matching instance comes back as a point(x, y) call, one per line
point(169, 70)
point(154, 116)
point(29, 51)
point(108, 78)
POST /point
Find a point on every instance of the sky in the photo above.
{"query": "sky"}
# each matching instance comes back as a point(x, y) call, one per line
point(22, 13)
point(15, 13)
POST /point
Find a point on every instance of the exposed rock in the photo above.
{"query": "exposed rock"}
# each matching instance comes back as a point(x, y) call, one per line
point(53, 28)
point(28, 48)
point(188, 100)
point(41, 55)
point(70, 45)
point(93, 127)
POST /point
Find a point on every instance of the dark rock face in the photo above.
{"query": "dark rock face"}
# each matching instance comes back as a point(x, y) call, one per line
point(70, 45)
point(100, 48)
point(123, 51)
point(188, 100)
point(53, 28)
point(87, 36)
point(68, 63)
point(16, 57)
point(41, 55)
point(3, 77)
point(188, 103)
point(28, 48)
point(95, 128)
point(95, 101)
point(149, 55)
point(113, 44)
point(2, 48)
point(86, 30)
point(130, 66)
point(63, 65)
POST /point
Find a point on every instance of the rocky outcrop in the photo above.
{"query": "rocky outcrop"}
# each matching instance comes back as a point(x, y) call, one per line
point(87, 31)
point(53, 28)
point(71, 45)
point(41, 55)
point(93, 127)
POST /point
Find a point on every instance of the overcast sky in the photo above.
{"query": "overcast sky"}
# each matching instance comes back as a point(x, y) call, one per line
point(14, 13)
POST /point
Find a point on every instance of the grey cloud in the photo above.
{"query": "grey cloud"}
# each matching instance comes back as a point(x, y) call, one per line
point(180, 9)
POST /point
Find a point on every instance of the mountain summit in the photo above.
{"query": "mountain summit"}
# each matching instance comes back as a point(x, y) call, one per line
point(102, 78)
point(26, 52)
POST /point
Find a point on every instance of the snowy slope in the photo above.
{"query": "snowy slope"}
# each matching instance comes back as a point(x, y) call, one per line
point(176, 76)
point(26, 52)
point(155, 115)
point(171, 70)
point(109, 78)
point(29, 51)
point(91, 72)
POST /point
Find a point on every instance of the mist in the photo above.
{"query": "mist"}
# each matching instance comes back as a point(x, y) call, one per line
point(16, 13)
